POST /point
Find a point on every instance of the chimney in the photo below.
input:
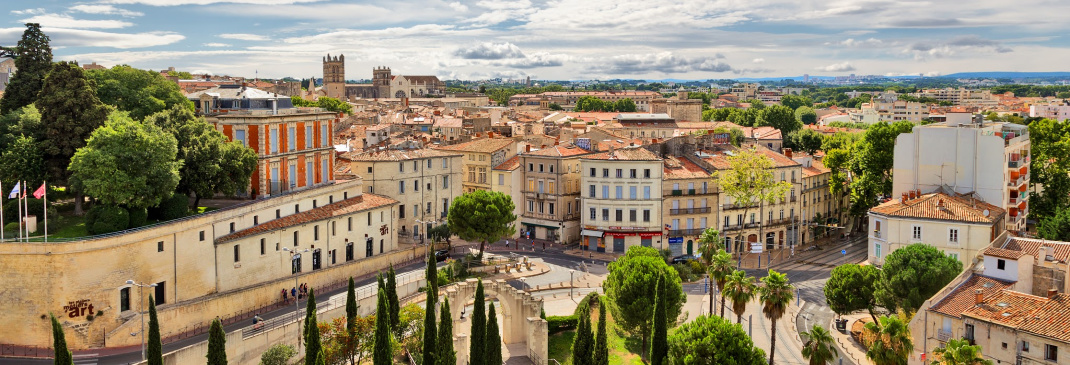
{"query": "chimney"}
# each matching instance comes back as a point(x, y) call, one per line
point(1052, 293)
point(527, 148)
point(905, 197)
point(978, 298)
point(787, 152)
point(910, 195)
point(940, 204)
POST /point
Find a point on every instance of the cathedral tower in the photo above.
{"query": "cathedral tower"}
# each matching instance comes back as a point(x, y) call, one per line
point(334, 76)
point(381, 81)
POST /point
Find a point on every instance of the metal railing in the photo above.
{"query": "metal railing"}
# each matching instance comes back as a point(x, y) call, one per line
point(686, 232)
point(676, 211)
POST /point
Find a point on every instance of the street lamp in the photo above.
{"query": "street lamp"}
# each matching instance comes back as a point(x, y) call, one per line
point(294, 256)
point(141, 308)
point(570, 284)
point(524, 283)
point(425, 234)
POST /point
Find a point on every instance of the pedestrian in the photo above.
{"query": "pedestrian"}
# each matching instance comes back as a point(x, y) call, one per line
point(293, 292)
point(284, 294)
point(258, 322)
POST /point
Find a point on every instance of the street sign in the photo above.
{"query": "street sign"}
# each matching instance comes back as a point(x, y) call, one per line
point(843, 252)
point(676, 240)
point(756, 247)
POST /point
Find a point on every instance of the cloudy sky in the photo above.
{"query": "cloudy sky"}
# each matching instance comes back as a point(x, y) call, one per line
point(556, 39)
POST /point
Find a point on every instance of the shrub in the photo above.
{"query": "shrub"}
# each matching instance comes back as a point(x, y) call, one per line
point(697, 267)
point(277, 355)
point(35, 206)
point(138, 217)
point(555, 324)
point(177, 206)
point(685, 272)
point(586, 301)
point(106, 219)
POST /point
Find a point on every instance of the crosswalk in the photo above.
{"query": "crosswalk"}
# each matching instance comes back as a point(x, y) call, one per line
point(85, 359)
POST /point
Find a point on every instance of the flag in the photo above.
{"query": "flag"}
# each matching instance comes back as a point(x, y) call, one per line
point(40, 192)
point(14, 192)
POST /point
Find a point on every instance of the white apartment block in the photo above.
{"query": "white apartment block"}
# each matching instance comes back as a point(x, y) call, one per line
point(1059, 111)
point(621, 200)
point(961, 96)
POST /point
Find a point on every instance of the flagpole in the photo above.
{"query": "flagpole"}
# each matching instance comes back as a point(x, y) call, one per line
point(18, 202)
point(45, 204)
point(1, 213)
point(26, 203)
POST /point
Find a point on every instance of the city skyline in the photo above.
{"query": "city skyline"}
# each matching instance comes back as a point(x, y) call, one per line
point(564, 39)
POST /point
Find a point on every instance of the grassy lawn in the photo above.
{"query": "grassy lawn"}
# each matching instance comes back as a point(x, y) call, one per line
point(623, 349)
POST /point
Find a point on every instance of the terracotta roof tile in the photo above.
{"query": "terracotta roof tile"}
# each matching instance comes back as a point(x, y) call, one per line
point(396, 155)
point(955, 208)
point(510, 164)
point(625, 154)
point(682, 168)
point(1016, 247)
point(963, 297)
point(1052, 320)
point(483, 145)
point(363, 202)
point(559, 151)
point(1006, 307)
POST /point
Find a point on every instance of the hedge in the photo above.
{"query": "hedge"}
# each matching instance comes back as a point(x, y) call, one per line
point(555, 324)
point(106, 219)
point(175, 207)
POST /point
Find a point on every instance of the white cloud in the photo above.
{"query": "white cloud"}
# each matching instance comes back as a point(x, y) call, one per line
point(871, 42)
point(66, 21)
point(244, 37)
point(758, 60)
point(208, 2)
point(490, 51)
point(663, 62)
point(65, 37)
point(29, 11)
point(837, 67)
point(536, 60)
point(105, 10)
point(458, 6)
point(216, 45)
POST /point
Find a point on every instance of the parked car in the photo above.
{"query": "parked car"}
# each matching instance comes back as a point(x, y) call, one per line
point(683, 259)
point(442, 255)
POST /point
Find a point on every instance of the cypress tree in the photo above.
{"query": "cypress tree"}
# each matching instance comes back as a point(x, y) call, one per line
point(392, 296)
point(59, 344)
point(381, 354)
point(310, 316)
point(444, 354)
point(479, 328)
point(154, 351)
point(351, 316)
point(601, 346)
point(493, 346)
point(659, 341)
point(313, 345)
point(432, 275)
point(33, 61)
point(430, 334)
point(217, 344)
point(581, 344)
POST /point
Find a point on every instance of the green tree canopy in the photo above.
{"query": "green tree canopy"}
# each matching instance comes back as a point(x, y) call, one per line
point(445, 354)
point(659, 336)
point(70, 112)
point(749, 180)
point(712, 340)
point(1049, 168)
point(888, 341)
point(493, 347)
point(805, 140)
point(1056, 227)
point(958, 351)
point(334, 105)
point(851, 288)
point(25, 121)
point(277, 354)
point(478, 332)
point(23, 160)
point(383, 353)
point(139, 92)
point(819, 347)
point(795, 102)
point(776, 294)
point(626, 105)
point(484, 216)
point(779, 117)
point(740, 288)
point(33, 60)
point(913, 274)
point(806, 115)
point(127, 163)
point(583, 342)
point(632, 288)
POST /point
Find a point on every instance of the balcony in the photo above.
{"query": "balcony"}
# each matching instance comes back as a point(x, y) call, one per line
point(677, 192)
point(1012, 164)
point(943, 336)
point(689, 211)
point(876, 234)
point(752, 225)
point(686, 232)
point(792, 199)
point(690, 191)
point(732, 228)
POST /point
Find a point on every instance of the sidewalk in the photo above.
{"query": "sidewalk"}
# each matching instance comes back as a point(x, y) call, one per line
point(846, 345)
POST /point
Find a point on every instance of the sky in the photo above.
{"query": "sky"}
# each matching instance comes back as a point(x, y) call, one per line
point(555, 39)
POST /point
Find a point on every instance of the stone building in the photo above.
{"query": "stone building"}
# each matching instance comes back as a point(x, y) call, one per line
point(480, 156)
point(679, 108)
point(384, 83)
point(551, 193)
point(621, 200)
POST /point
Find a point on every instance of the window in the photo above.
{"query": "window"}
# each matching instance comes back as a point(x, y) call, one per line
point(160, 291)
point(291, 137)
point(308, 136)
point(262, 245)
point(605, 214)
point(278, 213)
point(953, 255)
point(445, 182)
point(1025, 346)
point(632, 173)
point(620, 173)
point(531, 167)
point(632, 215)
point(542, 207)
point(605, 191)
point(646, 173)
point(239, 135)
point(231, 227)
point(646, 192)
point(620, 192)
point(297, 208)
point(401, 211)
point(501, 179)
point(296, 236)
point(953, 235)
point(531, 206)
point(592, 191)
point(237, 253)
point(401, 187)
point(551, 208)
point(605, 172)
point(632, 192)
point(551, 169)
point(917, 232)
point(646, 215)
point(877, 250)
point(315, 233)
point(1001, 264)
point(675, 224)
point(369, 220)
point(593, 172)
point(445, 162)
point(752, 217)
point(124, 299)
point(202, 236)
point(256, 220)
point(594, 214)
point(416, 185)
point(159, 246)
point(620, 215)
point(541, 168)
point(324, 135)
point(1051, 353)
point(401, 167)
point(274, 140)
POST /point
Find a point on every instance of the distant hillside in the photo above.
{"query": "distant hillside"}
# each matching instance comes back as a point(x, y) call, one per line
point(1006, 75)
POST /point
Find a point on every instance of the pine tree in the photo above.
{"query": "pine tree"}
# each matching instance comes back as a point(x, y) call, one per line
point(392, 296)
point(33, 61)
point(601, 346)
point(217, 344)
point(444, 354)
point(382, 354)
point(59, 344)
point(479, 328)
point(581, 344)
point(154, 351)
point(313, 345)
point(493, 346)
point(659, 338)
point(430, 334)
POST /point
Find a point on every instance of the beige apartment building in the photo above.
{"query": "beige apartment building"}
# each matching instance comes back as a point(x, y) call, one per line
point(957, 224)
point(551, 193)
point(689, 203)
point(480, 156)
point(508, 179)
point(819, 206)
point(424, 182)
point(622, 198)
point(679, 108)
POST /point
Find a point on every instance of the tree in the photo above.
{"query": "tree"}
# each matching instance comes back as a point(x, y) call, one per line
point(779, 117)
point(25, 121)
point(754, 103)
point(310, 324)
point(959, 352)
point(493, 347)
point(430, 335)
point(775, 295)
point(23, 160)
point(1056, 227)
point(33, 60)
point(383, 353)
point(795, 102)
point(806, 140)
point(888, 343)
point(351, 309)
point(871, 164)
point(479, 328)
point(626, 105)
point(154, 349)
point(482, 216)
point(313, 345)
point(1049, 168)
point(709, 242)
point(659, 337)
point(440, 233)
point(601, 344)
point(127, 163)
point(851, 288)
point(632, 288)
point(720, 268)
point(740, 288)
point(806, 115)
point(70, 112)
point(748, 181)
point(710, 340)
point(217, 344)
point(334, 105)
point(139, 92)
point(277, 354)
point(59, 344)
point(913, 274)
point(392, 299)
point(590, 103)
point(819, 348)
point(582, 348)
point(555, 106)
point(444, 354)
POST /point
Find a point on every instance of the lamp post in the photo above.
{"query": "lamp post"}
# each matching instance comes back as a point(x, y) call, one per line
point(141, 308)
point(425, 234)
point(570, 284)
point(294, 256)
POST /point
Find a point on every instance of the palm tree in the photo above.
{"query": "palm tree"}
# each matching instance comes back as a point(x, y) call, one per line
point(959, 352)
point(888, 343)
point(708, 244)
point(741, 289)
point(819, 348)
point(720, 268)
point(775, 295)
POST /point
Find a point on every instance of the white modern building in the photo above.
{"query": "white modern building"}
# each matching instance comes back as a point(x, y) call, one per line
point(1057, 111)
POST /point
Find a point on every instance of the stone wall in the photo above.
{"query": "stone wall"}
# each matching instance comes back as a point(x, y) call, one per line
point(1045, 278)
point(520, 318)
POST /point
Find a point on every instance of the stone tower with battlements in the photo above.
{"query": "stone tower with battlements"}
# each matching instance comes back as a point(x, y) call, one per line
point(334, 76)
point(381, 78)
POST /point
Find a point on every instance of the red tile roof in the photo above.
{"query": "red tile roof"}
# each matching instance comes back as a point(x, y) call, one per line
point(1052, 320)
point(363, 202)
point(682, 168)
point(963, 297)
point(1006, 307)
point(482, 145)
point(1015, 247)
point(625, 154)
point(954, 208)
point(559, 151)
point(510, 164)
point(397, 155)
